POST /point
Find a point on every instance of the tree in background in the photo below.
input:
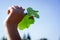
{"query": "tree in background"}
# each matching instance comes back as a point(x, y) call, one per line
point(4, 38)
point(28, 37)
point(24, 37)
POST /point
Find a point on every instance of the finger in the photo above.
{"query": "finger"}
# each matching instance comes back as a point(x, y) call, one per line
point(17, 7)
point(13, 6)
point(23, 10)
point(9, 10)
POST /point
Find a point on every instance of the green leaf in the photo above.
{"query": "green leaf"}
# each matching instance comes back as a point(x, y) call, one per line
point(32, 12)
point(35, 14)
point(29, 9)
point(28, 20)
point(25, 23)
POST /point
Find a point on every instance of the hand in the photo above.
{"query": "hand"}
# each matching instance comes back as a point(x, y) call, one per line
point(15, 15)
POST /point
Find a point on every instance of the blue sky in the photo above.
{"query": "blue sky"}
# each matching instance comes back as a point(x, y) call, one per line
point(48, 25)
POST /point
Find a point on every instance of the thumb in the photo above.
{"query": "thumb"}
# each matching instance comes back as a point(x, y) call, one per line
point(10, 9)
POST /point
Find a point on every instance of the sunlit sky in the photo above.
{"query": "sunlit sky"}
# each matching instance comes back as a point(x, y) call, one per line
point(47, 26)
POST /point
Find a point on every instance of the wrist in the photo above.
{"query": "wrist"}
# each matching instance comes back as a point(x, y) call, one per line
point(12, 32)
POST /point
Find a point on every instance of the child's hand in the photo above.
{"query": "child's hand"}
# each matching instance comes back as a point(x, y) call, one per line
point(15, 15)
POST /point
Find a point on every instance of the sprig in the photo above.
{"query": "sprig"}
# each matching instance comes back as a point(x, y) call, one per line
point(28, 19)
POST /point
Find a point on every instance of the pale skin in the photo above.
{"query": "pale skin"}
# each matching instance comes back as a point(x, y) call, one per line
point(15, 15)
